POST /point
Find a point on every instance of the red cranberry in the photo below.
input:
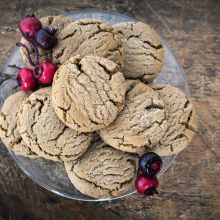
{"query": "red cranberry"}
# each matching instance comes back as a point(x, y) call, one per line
point(26, 80)
point(150, 163)
point(45, 72)
point(30, 25)
point(146, 184)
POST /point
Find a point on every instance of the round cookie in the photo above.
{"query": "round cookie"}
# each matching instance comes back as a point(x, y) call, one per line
point(143, 51)
point(142, 122)
point(57, 22)
point(181, 121)
point(45, 134)
point(88, 37)
point(8, 125)
point(88, 93)
point(103, 171)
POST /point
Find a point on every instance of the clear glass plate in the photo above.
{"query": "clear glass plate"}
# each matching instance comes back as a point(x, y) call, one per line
point(51, 175)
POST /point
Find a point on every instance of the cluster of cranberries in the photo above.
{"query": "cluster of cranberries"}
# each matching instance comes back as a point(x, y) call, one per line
point(44, 38)
point(150, 165)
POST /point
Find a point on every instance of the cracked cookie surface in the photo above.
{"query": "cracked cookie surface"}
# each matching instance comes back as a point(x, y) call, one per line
point(45, 134)
point(181, 121)
point(88, 37)
point(8, 125)
point(88, 93)
point(103, 171)
point(142, 122)
point(58, 22)
point(143, 51)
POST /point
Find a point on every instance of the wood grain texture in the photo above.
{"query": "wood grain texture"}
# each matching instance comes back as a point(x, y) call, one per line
point(191, 188)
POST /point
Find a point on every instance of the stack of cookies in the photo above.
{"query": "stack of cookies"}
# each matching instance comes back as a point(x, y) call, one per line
point(103, 86)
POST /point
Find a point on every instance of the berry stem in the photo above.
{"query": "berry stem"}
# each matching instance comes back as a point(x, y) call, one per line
point(36, 52)
point(27, 51)
point(14, 67)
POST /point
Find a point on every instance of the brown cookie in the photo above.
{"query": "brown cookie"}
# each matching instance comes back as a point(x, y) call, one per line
point(103, 171)
point(58, 22)
point(88, 93)
point(142, 122)
point(45, 134)
point(88, 37)
point(8, 125)
point(181, 121)
point(143, 51)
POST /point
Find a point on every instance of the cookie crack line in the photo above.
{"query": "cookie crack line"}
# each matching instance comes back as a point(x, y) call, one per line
point(64, 115)
point(58, 136)
point(118, 48)
point(154, 106)
point(76, 155)
point(94, 184)
point(157, 47)
point(180, 136)
point(69, 35)
point(151, 54)
point(94, 83)
point(87, 112)
point(187, 123)
point(110, 192)
point(60, 53)
point(93, 34)
point(97, 32)
point(187, 103)
point(148, 127)
point(58, 156)
point(110, 73)
point(39, 110)
point(4, 129)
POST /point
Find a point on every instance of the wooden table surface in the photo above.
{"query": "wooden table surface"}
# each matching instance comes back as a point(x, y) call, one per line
point(191, 188)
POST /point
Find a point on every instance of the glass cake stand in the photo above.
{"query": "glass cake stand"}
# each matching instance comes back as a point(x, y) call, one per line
point(51, 175)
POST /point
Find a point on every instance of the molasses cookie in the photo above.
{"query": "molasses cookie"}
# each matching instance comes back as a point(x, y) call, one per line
point(45, 134)
point(88, 37)
point(8, 125)
point(142, 122)
point(143, 51)
point(88, 93)
point(181, 121)
point(103, 171)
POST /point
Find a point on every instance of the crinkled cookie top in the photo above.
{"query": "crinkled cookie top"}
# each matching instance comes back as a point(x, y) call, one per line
point(45, 134)
point(88, 37)
point(88, 93)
